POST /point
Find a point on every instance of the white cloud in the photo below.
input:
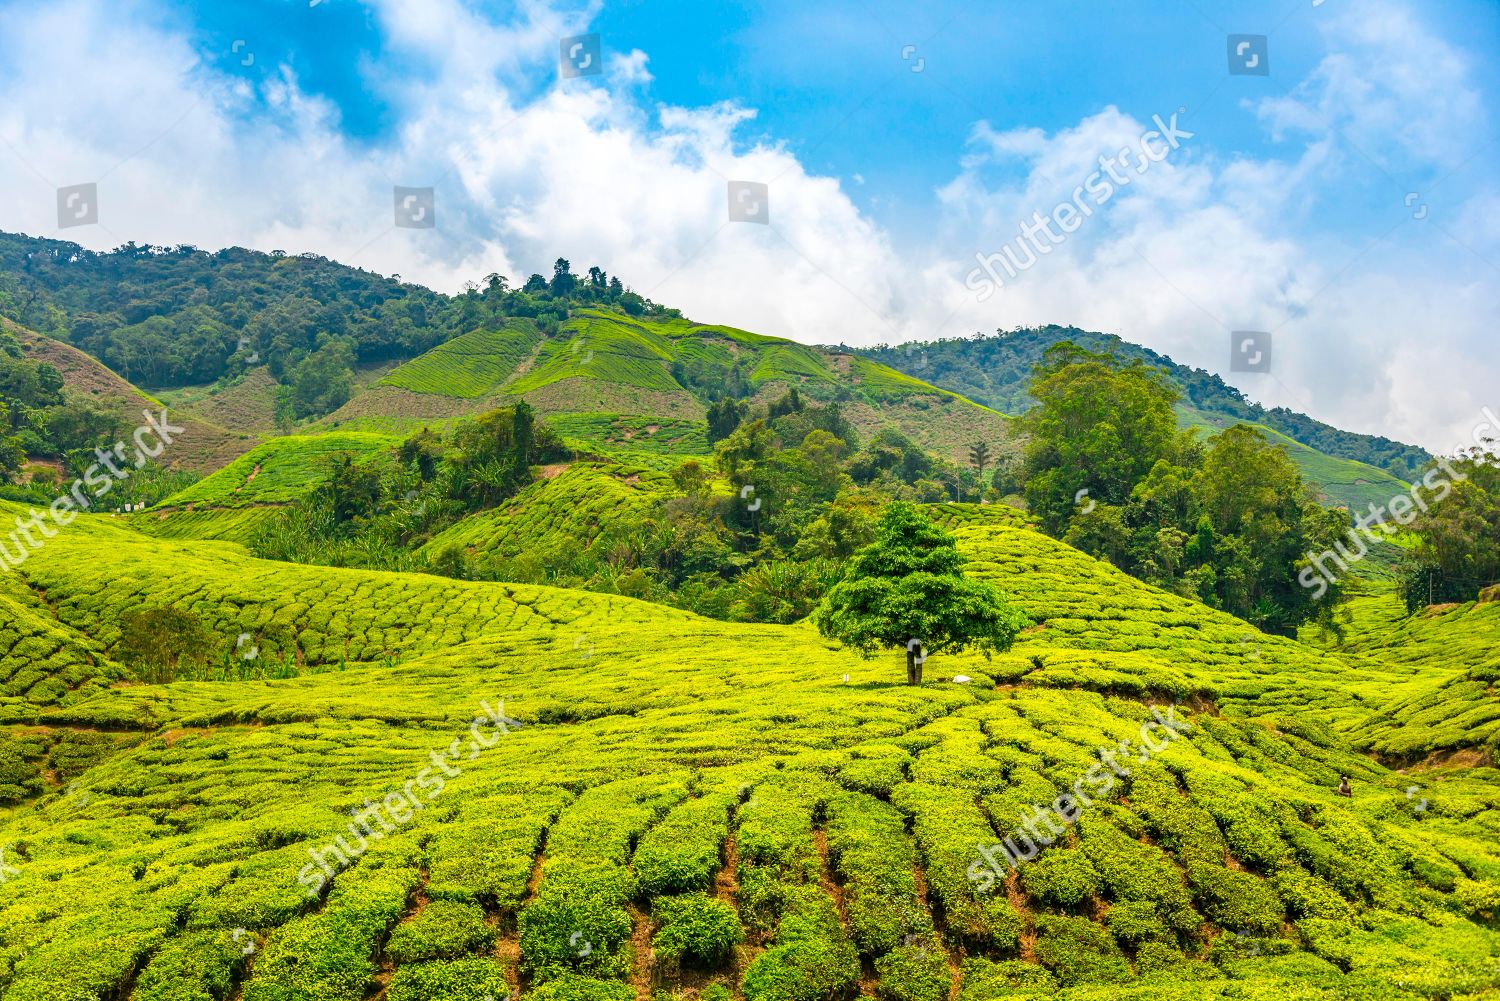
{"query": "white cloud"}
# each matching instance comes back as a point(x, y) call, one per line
point(592, 170)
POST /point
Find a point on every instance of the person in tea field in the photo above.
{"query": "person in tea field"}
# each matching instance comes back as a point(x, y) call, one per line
point(1344, 789)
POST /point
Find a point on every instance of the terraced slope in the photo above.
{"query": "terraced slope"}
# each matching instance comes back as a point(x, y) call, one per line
point(247, 405)
point(202, 447)
point(566, 510)
point(472, 366)
point(1341, 482)
point(1455, 647)
point(42, 662)
point(688, 802)
point(607, 364)
point(279, 470)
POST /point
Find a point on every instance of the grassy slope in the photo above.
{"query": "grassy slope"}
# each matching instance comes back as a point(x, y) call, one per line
point(1342, 482)
point(1458, 646)
point(277, 471)
point(42, 662)
point(247, 405)
point(202, 447)
point(605, 363)
point(653, 737)
point(568, 510)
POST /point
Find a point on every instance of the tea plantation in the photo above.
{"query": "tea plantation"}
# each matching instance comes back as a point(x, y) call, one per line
point(469, 791)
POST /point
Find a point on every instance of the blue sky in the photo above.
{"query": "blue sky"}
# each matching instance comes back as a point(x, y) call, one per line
point(1347, 202)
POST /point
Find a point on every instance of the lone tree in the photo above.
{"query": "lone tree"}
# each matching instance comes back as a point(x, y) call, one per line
point(907, 589)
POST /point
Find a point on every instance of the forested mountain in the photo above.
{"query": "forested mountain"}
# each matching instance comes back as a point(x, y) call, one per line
point(996, 369)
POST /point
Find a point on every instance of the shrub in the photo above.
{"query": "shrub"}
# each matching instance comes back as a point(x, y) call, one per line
point(197, 965)
point(696, 928)
point(1079, 951)
point(1160, 960)
point(327, 955)
point(1060, 876)
point(682, 852)
point(572, 987)
point(983, 980)
point(877, 776)
point(914, 972)
point(1480, 898)
point(812, 960)
point(1238, 901)
point(1307, 896)
point(868, 846)
point(576, 930)
point(472, 979)
point(443, 930)
point(1135, 921)
point(1130, 870)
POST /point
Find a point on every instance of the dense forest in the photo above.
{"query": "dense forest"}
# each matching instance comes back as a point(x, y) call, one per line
point(996, 371)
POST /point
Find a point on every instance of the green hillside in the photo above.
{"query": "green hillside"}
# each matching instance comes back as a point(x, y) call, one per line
point(1340, 482)
point(279, 470)
point(674, 803)
point(604, 363)
point(995, 370)
point(566, 511)
point(1456, 646)
point(472, 365)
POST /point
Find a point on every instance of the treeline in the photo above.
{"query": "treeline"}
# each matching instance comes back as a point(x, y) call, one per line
point(757, 533)
point(763, 530)
point(996, 371)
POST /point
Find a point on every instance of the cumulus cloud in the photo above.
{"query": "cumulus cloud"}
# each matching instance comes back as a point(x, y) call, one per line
point(201, 150)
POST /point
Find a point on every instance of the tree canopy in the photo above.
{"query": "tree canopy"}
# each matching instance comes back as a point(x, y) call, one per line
point(907, 589)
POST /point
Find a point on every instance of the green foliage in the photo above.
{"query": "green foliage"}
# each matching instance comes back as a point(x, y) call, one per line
point(443, 929)
point(164, 637)
point(282, 469)
point(914, 972)
point(323, 381)
point(473, 365)
point(1230, 523)
point(995, 370)
point(682, 852)
point(1458, 552)
point(812, 959)
point(695, 929)
point(1077, 951)
point(1099, 425)
point(1063, 877)
point(456, 980)
point(151, 821)
point(906, 588)
point(868, 847)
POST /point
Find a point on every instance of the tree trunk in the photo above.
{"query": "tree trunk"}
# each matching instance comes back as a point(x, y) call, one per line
point(913, 669)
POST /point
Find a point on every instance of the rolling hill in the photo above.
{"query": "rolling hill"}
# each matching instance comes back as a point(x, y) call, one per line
point(607, 363)
point(227, 778)
point(638, 799)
